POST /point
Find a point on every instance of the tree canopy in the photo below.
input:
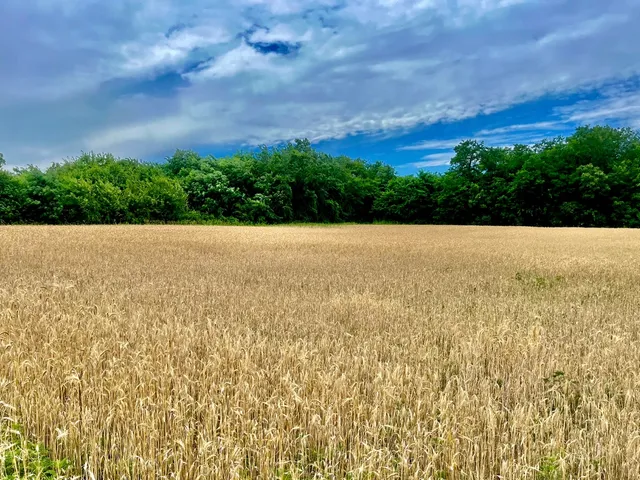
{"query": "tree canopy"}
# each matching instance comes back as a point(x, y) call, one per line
point(589, 179)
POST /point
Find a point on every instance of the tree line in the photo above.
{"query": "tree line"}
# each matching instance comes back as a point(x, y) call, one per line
point(589, 179)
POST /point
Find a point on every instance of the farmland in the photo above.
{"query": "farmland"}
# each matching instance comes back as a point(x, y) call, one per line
point(354, 352)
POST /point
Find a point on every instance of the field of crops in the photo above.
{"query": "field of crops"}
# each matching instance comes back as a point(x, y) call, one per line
point(356, 352)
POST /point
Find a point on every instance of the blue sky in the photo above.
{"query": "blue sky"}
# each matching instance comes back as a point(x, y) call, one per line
point(393, 80)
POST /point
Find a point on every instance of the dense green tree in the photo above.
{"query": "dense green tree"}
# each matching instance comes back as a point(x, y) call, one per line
point(11, 196)
point(209, 192)
point(409, 199)
point(97, 189)
point(590, 179)
point(41, 202)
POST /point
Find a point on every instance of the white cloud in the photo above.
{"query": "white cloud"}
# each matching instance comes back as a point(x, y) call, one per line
point(280, 33)
point(241, 59)
point(290, 7)
point(621, 106)
point(165, 52)
point(435, 160)
point(161, 130)
point(497, 137)
point(429, 161)
point(433, 145)
point(617, 106)
point(365, 66)
point(526, 127)
point(582, 30)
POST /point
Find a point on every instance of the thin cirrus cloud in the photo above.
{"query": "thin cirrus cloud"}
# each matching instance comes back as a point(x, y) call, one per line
point(618, 106)
point(143, 78)
point(434, 160)
point(495, 137)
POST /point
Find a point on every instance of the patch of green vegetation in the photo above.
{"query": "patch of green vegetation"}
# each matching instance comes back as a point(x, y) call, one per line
point(21, 459)
point(563, 393)
point(537, 281)
point(549, 468)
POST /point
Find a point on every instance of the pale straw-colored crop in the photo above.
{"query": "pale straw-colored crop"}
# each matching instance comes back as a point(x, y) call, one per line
point(359, 352)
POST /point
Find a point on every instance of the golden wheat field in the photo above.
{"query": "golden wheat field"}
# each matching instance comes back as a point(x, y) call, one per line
point(352, 352)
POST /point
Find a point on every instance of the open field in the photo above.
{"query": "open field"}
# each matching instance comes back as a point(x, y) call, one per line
point(354, 352)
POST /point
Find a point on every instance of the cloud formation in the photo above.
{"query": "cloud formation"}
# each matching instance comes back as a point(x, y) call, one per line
point(618, 106)
point(147, 76)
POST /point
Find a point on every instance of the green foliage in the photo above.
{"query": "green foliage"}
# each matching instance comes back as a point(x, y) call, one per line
point(409, 199)
point(529, 279)
point(590, 179)
point(549, 469)
point(91, 189)
point(21, 459)
point(11, 197)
